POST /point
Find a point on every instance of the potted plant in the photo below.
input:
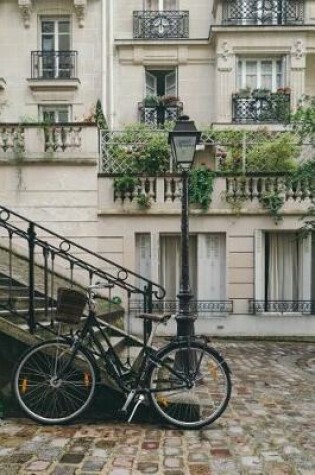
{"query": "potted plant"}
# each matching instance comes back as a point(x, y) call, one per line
point(261, 92)
point(151, 101)
point(168, 101)
point(245, 92)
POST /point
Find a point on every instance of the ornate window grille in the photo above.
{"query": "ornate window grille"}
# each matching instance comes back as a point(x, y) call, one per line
point(263, 12)
point(160, 24)
point(158, 115)
point(304, 307)
point(274, 108)
point(54, 64)
point(202, 308)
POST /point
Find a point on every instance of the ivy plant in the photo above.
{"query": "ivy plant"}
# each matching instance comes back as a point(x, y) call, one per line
point(200, 186)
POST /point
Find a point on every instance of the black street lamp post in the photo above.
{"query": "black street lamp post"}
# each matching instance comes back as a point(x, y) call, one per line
point(183, 140)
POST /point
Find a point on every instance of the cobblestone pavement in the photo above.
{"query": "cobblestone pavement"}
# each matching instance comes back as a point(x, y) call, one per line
point(268, 428)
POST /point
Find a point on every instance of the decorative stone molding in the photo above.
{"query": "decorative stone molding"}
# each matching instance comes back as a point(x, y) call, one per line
point(225, 57)
point(80, 10)
point(26, 10)
point(2, 83)
point(298, 54)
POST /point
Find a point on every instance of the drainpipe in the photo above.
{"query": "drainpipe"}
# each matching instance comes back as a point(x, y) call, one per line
point(104, 58)
point(111, 63)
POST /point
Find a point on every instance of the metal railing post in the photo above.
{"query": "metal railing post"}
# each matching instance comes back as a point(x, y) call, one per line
point(31, 246)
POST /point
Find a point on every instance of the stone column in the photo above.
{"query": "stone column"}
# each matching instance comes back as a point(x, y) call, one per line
point(225, 82)
point(297, 72)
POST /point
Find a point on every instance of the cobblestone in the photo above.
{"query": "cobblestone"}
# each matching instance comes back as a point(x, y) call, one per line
point(268, 429)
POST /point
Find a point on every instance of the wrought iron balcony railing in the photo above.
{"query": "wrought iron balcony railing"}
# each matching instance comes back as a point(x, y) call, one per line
point(201, 308)
point(158, 25)
point(304, 307)
point(158, 115)
point(54, 64)
point(263, 12)
point(274, 108)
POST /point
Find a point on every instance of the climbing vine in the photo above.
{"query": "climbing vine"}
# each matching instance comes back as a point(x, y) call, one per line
point(200, 188)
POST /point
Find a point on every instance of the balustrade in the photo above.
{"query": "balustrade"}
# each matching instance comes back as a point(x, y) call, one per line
point(263, 12)
point(12, 138)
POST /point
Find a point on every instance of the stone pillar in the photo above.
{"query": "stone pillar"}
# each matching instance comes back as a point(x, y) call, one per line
point(225, 78)
point(297, 72)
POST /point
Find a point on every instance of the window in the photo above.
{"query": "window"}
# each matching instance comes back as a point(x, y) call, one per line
point(283, 270)
point(161, 82)
point(55, 47)
point(55, 114)
point(263, 73)
point(160, 5)
point(207, 265)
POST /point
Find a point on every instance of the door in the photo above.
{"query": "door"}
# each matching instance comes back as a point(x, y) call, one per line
point(150, 84)
point(171, 83)
point(160, 5)
point(55, 46)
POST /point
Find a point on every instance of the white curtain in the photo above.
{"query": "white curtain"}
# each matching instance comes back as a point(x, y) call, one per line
point(285, 267)
point(170, 265)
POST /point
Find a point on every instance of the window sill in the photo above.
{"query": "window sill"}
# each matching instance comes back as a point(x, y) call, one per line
point(53, 84)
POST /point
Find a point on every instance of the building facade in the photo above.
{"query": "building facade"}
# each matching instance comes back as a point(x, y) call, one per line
point(234, 64)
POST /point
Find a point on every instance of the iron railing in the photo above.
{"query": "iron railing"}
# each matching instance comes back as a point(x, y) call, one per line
point(54, 64)
point(43, 259)
point(158, 115)
point(273, 108)
point(200, 308)
point(263, 12)
point(158, 25)
point(303, 307)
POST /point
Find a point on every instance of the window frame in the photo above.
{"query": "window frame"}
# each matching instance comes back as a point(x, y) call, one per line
point(241, 73)
point(54, 108)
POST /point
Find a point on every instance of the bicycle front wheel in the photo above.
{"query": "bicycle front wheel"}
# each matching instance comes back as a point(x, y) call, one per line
point(190, 385)
point(54, 383)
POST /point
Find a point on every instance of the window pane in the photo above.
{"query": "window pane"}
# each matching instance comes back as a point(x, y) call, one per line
point(152, 5)
point(47, 27)
point(266, 74)
point(64, 26)
point(169, 5)
point(64, 43)
point(251, 74)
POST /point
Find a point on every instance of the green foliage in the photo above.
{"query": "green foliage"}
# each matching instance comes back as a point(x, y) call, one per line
point(277, 155)
point(303, 120)
point(140, 149)
point(200, 186)
point(100, 117)
point(143, 201)
point(264, 151)
point(125, 184)
point(272, 201)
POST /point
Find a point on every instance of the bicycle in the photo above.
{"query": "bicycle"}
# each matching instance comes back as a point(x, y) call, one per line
point(187, 382)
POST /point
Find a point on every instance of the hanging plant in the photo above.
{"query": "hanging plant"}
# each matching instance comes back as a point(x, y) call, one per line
point(200, 188)
point(273, 202)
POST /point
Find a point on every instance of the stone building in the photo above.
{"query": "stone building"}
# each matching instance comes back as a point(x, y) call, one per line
point(222, 62)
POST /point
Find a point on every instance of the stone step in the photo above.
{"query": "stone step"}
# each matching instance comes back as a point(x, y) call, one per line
point(21, 302)
point(13, 291)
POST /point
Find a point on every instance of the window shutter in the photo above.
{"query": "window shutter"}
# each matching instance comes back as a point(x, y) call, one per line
point(259, 259)
point(150, 84)
point(170, 84)
point(211, 267)
point(143, 243)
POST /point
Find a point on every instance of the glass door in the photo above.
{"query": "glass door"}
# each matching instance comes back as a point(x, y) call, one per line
point(55, 46)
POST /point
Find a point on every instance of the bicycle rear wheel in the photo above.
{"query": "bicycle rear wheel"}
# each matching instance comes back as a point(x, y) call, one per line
point(52, 385)
point(190, 386)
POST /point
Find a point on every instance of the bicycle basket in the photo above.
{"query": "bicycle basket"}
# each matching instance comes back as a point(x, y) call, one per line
point(70, 305)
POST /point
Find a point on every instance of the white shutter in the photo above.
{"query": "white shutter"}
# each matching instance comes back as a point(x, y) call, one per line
point(170, 84)
point(143, 246)
point(259, 259)
point(306, 270)
point(150, 84)
point(211, 267)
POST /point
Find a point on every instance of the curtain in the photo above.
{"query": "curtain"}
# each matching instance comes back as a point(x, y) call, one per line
point(285, 267)
point(170, 265)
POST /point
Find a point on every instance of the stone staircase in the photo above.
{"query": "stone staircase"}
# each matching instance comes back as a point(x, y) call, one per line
point(14, 301)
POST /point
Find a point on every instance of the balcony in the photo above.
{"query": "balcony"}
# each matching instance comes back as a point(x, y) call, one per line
point(263, 12)
point(53, 69)
point(162, 194)
point(34, 142)
point(300, 307)
point(159, 114)
point(261, 107)
point(160, 25)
